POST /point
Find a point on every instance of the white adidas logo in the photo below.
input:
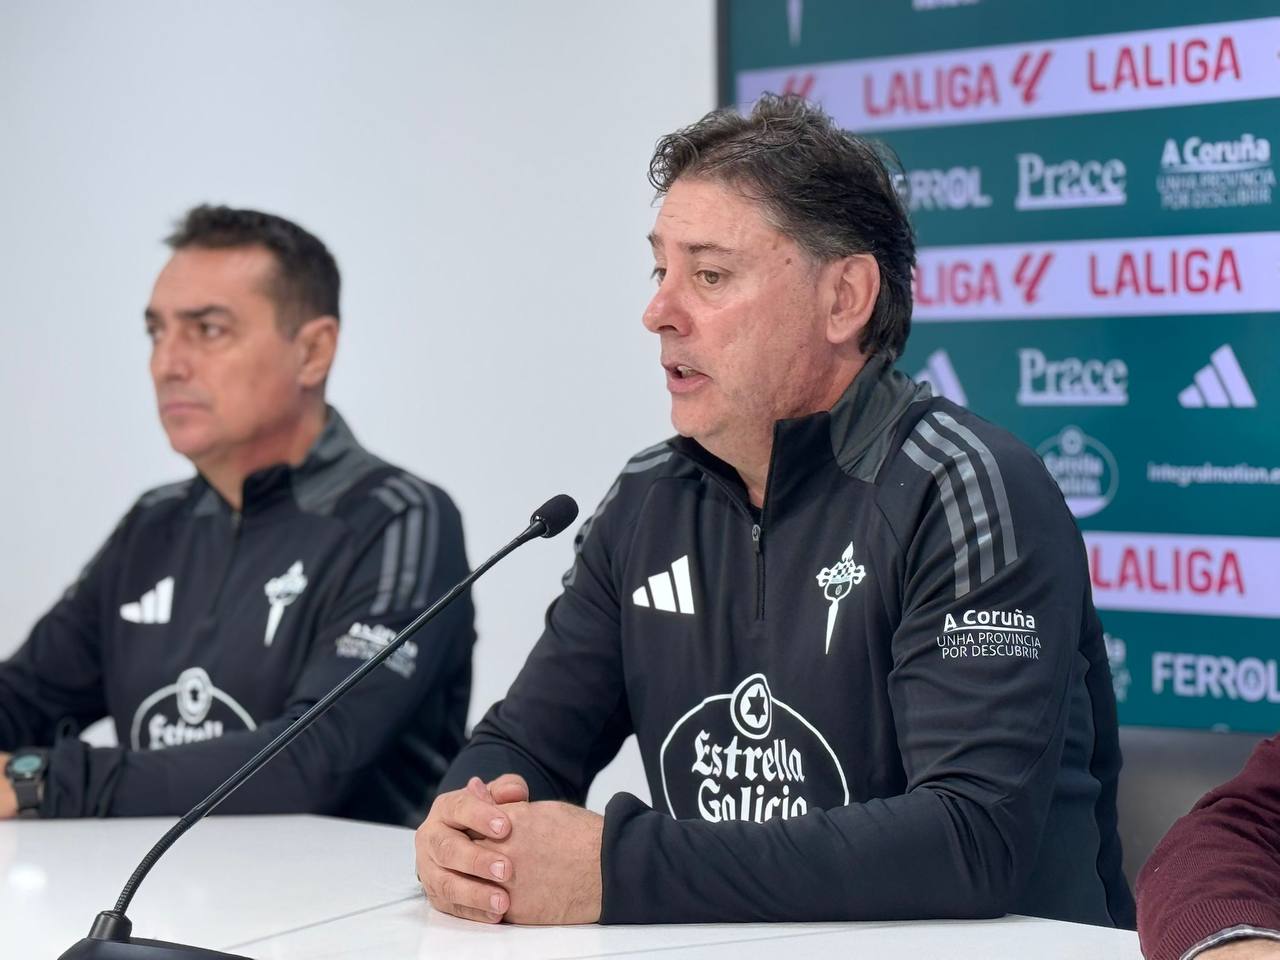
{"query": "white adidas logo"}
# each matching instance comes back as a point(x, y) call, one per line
point(1221, 383)
point(155, 606)
point(940, 374)
point(664, 596)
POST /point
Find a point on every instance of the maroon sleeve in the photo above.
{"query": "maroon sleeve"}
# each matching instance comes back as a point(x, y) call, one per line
point(1219, 866)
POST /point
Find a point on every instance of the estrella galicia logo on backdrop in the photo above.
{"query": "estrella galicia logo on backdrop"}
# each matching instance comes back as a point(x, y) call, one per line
point(747, 756)
point(1084, 469)
point(191, 710)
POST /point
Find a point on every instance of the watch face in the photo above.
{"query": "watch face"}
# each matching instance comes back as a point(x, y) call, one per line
point(26, 765)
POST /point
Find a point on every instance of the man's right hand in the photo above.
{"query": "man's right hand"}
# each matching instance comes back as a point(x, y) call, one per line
point(459, 876)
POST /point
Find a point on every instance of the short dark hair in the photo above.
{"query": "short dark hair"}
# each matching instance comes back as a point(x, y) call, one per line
point(307, 283)
point(830, 191)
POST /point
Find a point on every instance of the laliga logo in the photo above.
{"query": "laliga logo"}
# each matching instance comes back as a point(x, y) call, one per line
point(947, 85)
point(1028, 73)
point(963, 282)
point(799, 84)
point(837, 582)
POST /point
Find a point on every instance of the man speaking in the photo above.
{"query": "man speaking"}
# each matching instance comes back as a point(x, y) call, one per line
point(849, 623)
point(222, 607)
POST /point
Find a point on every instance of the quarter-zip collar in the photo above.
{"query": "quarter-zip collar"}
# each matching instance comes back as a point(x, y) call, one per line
point(856, 433)
point(327, 471)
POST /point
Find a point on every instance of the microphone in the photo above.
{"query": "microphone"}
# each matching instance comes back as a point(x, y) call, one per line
point(556, 514)
point(111, 938)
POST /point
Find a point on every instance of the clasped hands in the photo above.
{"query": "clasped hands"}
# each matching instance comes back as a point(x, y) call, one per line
point(486, 853)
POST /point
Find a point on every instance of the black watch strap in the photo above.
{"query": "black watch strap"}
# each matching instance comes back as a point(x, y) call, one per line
point(28, 783)
point(29, 794)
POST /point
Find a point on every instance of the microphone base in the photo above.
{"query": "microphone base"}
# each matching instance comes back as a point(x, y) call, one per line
point(133, 948)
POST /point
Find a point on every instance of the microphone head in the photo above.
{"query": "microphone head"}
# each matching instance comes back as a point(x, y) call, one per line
point(556, 514)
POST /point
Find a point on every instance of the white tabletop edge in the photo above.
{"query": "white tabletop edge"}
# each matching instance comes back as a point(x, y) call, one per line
point(277, 934)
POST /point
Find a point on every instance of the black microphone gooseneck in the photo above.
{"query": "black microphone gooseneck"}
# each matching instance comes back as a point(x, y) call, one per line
point(109, 937)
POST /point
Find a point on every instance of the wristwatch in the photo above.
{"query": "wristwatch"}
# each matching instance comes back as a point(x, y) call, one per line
point(25, 770)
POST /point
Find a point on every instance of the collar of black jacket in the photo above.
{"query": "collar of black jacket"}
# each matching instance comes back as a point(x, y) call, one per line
point(856, 433)
point(330, 467)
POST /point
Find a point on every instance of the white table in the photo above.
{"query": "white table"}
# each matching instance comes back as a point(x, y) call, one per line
point(287, 888)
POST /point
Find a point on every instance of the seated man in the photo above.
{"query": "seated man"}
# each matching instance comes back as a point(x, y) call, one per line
point(849, 623)
point(1211, 889)
point(223, 606)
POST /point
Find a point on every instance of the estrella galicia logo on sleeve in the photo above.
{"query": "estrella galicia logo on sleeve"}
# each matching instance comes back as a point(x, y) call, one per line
point(748, 756)
point(190, 711)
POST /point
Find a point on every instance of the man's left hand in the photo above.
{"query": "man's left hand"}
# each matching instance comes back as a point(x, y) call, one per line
point(8, 799)
point(554, 850)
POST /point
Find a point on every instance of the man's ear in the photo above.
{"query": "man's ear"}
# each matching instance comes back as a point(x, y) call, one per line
point(856, 282)
point(317, 343)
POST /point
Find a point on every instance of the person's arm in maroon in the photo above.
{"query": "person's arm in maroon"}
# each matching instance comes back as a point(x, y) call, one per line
point(1215, 877)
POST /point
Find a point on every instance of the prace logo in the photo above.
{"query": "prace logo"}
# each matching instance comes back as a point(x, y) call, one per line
point(1071, 381)
point(1067, 184)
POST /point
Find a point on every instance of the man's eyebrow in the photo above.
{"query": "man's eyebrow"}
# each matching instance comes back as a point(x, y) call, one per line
point(696, 248)
point(198, 313)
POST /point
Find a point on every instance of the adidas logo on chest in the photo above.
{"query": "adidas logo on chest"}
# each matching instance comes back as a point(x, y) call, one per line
point(669, 590)
point(154, 606)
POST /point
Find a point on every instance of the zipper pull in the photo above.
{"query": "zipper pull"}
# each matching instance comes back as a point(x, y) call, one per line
point(755, 536)
point(235, 521)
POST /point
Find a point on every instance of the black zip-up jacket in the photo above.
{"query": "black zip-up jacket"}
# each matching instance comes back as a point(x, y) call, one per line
point(203, 632)
point(883, 696)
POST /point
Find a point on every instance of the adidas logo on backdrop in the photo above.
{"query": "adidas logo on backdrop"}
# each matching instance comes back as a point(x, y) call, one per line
point(1220, 383)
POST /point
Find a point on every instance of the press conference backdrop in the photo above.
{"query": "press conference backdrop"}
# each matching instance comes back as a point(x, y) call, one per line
point(1094, 191)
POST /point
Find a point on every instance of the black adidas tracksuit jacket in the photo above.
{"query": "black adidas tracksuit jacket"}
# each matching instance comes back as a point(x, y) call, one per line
point(203, 632)
point(883, 696)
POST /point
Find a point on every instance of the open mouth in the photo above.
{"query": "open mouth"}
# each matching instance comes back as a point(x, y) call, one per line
point(682, 371)
point(681, 377)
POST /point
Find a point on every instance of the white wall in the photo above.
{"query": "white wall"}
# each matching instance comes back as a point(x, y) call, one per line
point(477, 168)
